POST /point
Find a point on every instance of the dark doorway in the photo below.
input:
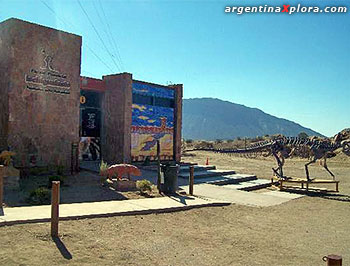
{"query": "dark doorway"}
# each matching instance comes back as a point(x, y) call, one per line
point(90, 125)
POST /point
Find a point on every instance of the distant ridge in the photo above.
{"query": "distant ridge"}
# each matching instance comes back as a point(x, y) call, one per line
point(210, 119)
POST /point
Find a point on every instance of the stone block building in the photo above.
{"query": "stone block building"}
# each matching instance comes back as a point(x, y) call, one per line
point(46, 106)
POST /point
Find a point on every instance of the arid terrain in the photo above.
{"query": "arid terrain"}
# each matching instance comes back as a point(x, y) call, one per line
point(299, 232)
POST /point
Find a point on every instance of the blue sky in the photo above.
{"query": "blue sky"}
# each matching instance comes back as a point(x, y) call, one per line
point(291, 66)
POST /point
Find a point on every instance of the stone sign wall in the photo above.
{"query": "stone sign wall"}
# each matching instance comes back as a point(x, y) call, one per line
point(40, 98)
point(39, 92)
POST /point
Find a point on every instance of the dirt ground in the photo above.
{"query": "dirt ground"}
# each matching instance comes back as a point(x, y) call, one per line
point(299, 232)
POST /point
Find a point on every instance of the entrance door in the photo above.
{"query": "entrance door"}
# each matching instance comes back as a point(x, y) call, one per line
point(90, 125)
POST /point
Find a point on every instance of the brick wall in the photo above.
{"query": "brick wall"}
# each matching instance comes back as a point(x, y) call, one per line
point(178, 121)
point(116, 118)
point(5, 50)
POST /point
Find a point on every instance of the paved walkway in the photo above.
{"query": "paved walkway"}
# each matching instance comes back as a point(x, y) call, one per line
point(32, 214)
point(227, 194)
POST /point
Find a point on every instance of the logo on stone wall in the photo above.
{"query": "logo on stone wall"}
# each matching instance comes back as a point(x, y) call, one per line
point(46, 78)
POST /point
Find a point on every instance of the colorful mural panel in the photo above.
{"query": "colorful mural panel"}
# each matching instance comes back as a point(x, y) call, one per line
point(147, 89)
point(151, 123)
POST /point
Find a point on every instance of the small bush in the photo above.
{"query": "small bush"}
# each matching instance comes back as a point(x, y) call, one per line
point(144, 186)
point(6, 157)
point(189, 141)
point(39, 196)
point(103, 167)
point(55, 178)
point(103, 172)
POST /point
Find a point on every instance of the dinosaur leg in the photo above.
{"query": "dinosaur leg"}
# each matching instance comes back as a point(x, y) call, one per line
point(307, 169)
point(324, 164)
point(281, 157)
point(280, 165)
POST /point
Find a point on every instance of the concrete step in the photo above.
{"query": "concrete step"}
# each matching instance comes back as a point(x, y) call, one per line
point(250, 185)
point(229, 179)
point(187, 163)
point(237, 196)
point(209, 173)
point(154, 166)
point(197, 168)
point(225, 179)
point(221, 180)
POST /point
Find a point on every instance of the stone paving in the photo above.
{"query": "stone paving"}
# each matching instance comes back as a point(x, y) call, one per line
point(32, 214)
point(229, 194)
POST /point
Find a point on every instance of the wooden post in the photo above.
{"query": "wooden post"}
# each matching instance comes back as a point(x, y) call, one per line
point(333, 260)
point(158, 167)
point(55, 201)
point(191, 180)
point(1, 185)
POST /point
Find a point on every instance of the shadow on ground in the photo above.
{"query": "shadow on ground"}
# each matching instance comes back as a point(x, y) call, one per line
point(62, 248)
point(321, 194)
point(84, 187)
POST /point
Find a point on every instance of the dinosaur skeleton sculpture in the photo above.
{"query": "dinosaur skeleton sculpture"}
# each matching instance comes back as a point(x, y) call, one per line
point(284, 147)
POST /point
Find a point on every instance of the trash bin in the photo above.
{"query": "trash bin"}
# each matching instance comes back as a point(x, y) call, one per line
point(170, 172)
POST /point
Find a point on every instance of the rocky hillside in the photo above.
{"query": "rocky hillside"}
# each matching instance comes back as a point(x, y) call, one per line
point(210, 119)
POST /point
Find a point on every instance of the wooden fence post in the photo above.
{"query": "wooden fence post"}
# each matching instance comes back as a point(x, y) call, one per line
point(333, 260)
point(55, 201)
point(1, 185)
point(191, 180)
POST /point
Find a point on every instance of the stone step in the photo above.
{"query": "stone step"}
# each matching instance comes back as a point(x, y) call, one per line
point(209, 173)
point(154, 166)
point(250, 185)
point(222, 180)
point(197, 168)
point(187, 163)
point(228, 179)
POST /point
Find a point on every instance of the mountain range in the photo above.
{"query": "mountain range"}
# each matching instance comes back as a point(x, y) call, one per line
point(211, 119)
